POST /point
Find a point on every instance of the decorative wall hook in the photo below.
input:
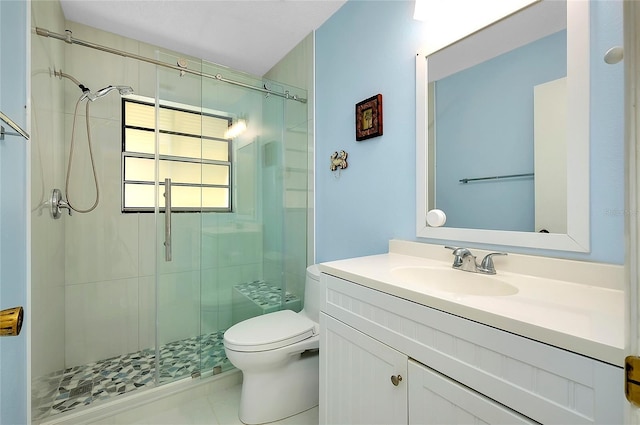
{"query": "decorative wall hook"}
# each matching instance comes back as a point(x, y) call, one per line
point(339, 160)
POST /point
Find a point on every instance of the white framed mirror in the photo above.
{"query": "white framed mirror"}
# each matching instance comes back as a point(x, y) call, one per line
point(487, 195)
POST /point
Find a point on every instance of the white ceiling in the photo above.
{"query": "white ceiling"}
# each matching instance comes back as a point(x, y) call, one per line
point(247, 35)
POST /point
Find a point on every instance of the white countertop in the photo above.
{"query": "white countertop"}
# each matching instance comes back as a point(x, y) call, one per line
point(584, 318)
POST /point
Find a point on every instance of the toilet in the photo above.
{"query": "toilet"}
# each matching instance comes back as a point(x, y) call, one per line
point(278, 356)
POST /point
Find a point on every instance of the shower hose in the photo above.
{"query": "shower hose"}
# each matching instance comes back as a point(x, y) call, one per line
point(70, 162)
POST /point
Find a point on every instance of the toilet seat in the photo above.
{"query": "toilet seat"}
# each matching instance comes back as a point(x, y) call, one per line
point(270, 331)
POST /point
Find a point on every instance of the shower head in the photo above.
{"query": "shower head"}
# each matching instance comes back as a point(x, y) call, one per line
point(124, 90)
point(86, 93)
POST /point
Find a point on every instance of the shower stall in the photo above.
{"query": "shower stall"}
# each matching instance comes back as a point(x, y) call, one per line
point(201, 222)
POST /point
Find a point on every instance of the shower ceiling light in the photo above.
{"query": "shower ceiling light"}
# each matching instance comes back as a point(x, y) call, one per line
point(236, 129)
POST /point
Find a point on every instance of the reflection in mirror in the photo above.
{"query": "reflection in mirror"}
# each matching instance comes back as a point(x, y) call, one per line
point(487, 164)
point(498, 112)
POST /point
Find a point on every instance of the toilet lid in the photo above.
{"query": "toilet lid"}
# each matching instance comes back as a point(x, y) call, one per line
point(268, 332)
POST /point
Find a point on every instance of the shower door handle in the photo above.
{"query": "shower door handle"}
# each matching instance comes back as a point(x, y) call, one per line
point(167, 219)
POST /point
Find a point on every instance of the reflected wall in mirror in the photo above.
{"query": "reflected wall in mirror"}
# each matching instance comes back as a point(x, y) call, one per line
point(487, 163)
point(498, 114)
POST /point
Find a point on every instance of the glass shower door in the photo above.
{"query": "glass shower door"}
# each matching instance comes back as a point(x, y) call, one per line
point(232, 240)
point(254, 255)
point(179, 172)
point(238, 223)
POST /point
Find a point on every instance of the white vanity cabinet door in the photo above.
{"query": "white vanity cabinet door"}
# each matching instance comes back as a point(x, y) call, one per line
point(355, 378)
point(435, 399)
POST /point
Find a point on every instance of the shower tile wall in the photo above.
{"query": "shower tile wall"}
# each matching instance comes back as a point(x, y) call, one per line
point(47, 171)
point(232, 254)
point(108, 255)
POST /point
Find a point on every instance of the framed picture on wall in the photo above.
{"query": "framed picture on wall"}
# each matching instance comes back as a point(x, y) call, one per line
point(369, 118)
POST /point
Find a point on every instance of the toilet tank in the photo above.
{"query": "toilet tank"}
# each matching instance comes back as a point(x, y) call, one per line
point(312, 294)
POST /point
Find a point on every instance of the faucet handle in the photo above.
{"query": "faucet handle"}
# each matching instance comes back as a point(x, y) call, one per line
point(459, 253)
point(486, 266)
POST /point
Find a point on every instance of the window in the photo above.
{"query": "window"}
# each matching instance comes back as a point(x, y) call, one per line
point(193, 153)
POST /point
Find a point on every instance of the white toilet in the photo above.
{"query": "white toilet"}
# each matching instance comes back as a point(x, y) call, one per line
point(278, 356)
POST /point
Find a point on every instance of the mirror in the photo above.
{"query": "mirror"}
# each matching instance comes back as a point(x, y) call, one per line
point(485, 171)
point(509, 115)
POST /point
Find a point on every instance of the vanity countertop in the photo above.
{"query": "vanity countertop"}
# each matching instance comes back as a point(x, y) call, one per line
point(586, 318)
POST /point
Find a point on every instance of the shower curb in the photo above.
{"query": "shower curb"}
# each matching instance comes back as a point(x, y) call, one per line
point(205, 385)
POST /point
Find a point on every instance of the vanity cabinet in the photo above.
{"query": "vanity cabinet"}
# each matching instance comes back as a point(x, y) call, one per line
point(435, 399)
point(453, 370)
point(368, 382)
point(358, 375)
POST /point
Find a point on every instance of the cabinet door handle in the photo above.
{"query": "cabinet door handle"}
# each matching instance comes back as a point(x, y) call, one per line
point(395, 379)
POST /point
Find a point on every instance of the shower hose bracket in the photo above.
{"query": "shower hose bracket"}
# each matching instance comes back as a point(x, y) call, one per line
point(57, 203)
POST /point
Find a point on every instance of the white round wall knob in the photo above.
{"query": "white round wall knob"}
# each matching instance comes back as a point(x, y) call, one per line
point(436, 218)
point(614, 55)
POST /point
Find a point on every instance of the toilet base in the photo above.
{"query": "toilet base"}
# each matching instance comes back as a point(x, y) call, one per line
point(269, 396)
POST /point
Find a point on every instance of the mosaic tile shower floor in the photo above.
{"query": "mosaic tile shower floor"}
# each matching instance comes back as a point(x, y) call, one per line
point(265, 295)
point(79, 386)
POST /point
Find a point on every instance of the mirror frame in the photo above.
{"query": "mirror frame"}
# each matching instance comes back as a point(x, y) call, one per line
point(577, 238)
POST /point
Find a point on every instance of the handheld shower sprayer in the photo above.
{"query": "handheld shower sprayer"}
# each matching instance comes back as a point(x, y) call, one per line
point(86, 93)
point(123, 90)
point(57, 202)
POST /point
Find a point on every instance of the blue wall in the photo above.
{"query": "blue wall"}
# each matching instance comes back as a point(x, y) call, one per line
point(369, 47)
point(13, 208)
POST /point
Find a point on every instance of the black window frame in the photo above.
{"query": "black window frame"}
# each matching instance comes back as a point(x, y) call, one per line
point(130, 154)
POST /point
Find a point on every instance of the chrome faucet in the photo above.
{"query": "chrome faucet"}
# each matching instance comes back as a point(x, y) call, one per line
point(464, 260)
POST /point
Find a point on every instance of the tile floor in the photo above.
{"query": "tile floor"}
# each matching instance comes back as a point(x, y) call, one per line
point(80, 386)
point(216, 408)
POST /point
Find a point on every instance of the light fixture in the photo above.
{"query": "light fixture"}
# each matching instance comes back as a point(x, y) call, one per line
point(236, 129)
point(447, 21)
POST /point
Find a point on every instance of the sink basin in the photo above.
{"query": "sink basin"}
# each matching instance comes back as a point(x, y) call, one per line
point(454, 281)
